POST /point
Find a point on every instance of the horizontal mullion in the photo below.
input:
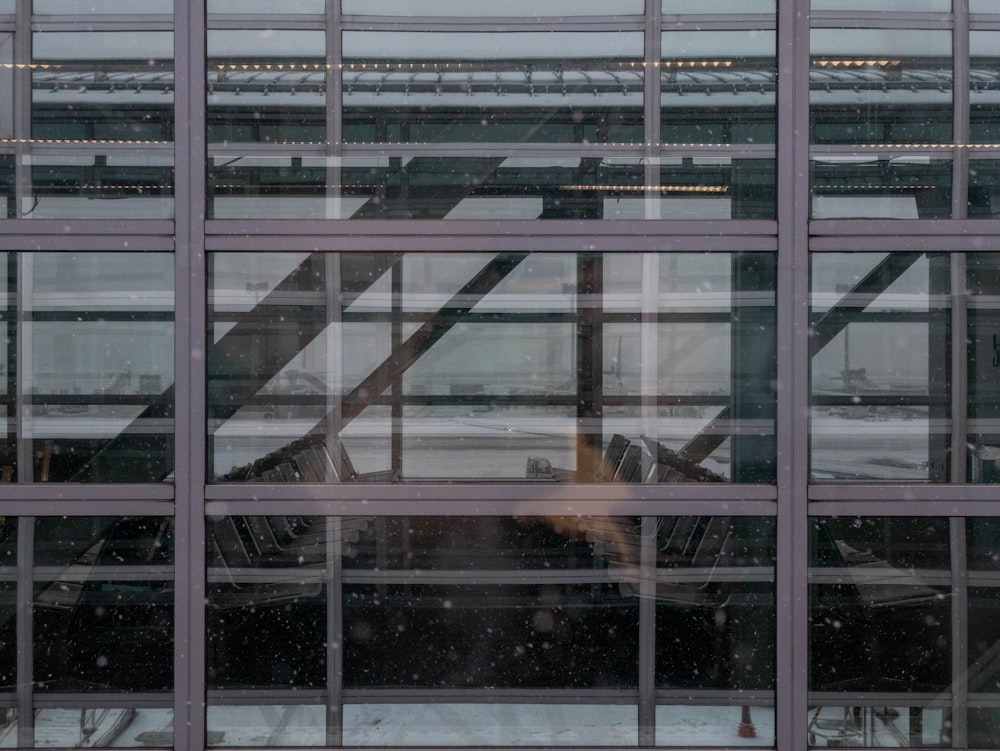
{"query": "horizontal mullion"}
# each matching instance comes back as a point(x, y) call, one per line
point(529, 499)
point(102, 573)
point(101, 700)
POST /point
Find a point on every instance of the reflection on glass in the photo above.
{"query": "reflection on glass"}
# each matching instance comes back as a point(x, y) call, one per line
point(266, 7)
point(506, 366)
point(473, 8)
point(709, 187)
point(74, 7)
point(547, 598)
point(877, 726)
point(8, 207)
point(102, 727)
point(424, 186)
point(876, 187)
point(266, 86)
point(475, 87)
point(417, 635)
point(98, 626)
point(880, 373)
point(983, 283)
point(984, 189)
point(681, 7)
point(883, 86)
point(912, 6)
point(879, 606)
point(97, 373)
point(102, 125)
point(718, 86)
point(984, 81)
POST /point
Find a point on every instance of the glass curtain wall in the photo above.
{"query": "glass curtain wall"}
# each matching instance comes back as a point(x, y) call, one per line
point(475, 374)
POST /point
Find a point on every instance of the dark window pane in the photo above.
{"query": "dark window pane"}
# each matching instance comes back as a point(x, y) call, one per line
point(880, 605)
point(97, 626)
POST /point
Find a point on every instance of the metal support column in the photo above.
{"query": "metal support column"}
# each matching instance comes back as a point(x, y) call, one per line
point(190, 452)
point(792, 382)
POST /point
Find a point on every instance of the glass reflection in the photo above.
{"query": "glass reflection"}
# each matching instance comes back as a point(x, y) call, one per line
point(74, 7)
point(718, 86)
point(97, 371)
point(681, 7)
point(102, 727)
point(486, 8)
point(473, 366)
point(880, 373)
point(547, 597)
point(984, 81)
point(880, 726)
point(102, 125)
point(266, 7)
point(103, 605)
point(879, 187)
point(883, 86)
point(424, 186)
point(266, 86)
point(983, 272)
point(879, 606)
point(518, 87)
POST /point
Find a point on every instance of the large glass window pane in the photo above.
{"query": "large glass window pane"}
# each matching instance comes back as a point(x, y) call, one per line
point(473, 8)
point(353, 367)
point(545, 600)
point(475, 87)
point(880, 627)
point(681, 7)
point(101, 125)
point(97, 366)
point(492, 185)
point(983, 274)
point(880, 86)
point(8, 613)
point(718, 87)
point(102, 612)
point(984, 80)
point(74, 7)
point(267, 85)
point(880, 367)
point(266, 7)
point(870, 186)
point(911, 6)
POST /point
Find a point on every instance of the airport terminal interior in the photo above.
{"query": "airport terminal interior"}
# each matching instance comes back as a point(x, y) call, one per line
point(462, 373)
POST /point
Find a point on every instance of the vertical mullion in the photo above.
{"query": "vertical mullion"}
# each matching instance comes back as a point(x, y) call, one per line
point(189, 375)
point(961, 127)
point(22, 106)
point(959, 630)
point(651, 107)
point(792, 332)
point(334, 110)
point(25, 626)
point(647, 631)
point(334, 632)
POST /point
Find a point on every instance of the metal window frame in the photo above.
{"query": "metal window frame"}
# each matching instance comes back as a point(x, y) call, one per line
point(791, 236)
